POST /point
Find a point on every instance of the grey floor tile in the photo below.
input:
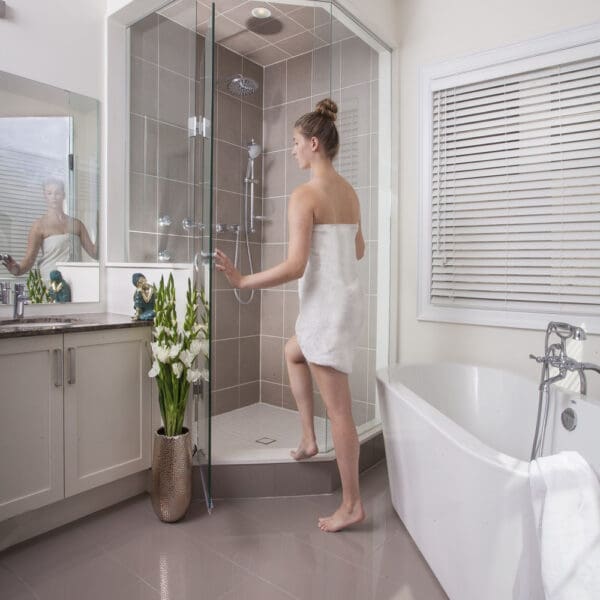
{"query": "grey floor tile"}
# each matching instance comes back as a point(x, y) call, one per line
point(398, 559)
point(252, 588)
point(14, 588)
point(263, 548)
point(96, 579)
point(47, 556)
point(171, 562)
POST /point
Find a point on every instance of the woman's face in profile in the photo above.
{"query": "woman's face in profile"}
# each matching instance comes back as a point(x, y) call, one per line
point(301, 149)
point(54, 194)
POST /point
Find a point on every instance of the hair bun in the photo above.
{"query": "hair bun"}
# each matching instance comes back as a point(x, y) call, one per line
point(328, 108)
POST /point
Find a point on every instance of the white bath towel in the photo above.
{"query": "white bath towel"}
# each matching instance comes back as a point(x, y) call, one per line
point(332, 303)
point(566, 503)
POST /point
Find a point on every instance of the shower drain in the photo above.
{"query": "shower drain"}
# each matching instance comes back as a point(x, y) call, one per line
point(265, 440)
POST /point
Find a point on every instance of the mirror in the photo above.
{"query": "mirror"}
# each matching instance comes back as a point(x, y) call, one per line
point(48, 191)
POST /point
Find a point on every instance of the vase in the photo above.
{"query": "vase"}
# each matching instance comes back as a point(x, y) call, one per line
point(171, 475)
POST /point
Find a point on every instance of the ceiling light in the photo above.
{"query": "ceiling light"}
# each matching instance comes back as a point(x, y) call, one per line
point(260, 12)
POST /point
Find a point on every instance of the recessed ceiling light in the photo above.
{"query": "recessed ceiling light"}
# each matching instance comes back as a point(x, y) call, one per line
point(260, 12)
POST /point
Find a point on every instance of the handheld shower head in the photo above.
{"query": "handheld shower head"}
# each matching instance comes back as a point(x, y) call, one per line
point(254, 149)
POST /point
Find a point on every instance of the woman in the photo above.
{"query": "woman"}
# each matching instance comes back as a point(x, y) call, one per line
point(59, 236)
point(325, 243)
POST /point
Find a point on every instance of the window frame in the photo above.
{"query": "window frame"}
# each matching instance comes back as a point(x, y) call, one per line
point(562, 47)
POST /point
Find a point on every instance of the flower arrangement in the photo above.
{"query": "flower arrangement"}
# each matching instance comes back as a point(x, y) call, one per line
point(174, 349)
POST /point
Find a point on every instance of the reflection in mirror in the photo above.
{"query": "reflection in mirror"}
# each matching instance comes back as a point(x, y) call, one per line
point(48, 187)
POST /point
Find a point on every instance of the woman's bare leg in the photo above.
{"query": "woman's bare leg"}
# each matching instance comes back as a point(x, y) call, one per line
point(335, 390)
point(301, 385)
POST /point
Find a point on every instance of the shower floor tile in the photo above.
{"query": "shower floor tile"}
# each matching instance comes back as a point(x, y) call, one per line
point(235, 435)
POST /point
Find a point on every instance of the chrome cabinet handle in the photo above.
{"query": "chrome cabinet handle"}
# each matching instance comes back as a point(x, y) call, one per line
point(71, 378)
point(58, 367)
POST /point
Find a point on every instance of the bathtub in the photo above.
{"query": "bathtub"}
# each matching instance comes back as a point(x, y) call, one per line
point(458, 440)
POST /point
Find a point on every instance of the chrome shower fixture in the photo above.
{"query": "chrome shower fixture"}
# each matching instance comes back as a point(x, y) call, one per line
point(165, 221)
point(164, 256)
point(254, 149)
point(240, 85)
point(188, 224)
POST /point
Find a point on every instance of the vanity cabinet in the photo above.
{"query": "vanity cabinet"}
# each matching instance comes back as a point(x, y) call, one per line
point(31, 423)
point(76, 414)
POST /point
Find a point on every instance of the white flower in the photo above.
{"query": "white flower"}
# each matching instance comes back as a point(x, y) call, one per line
point(186, 357)
point(204, 347)
point(161, 353)
point(177, 369)
point(174, 351)
point(205, 374)
point(195, 347)
point(158, 329)
point(155, 370)
point(193, 375)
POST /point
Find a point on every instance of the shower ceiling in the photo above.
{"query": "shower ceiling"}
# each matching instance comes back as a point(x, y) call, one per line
point(289, 31)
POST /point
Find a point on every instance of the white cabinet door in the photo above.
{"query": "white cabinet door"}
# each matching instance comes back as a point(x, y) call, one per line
point(31, 423)
point(107, 406)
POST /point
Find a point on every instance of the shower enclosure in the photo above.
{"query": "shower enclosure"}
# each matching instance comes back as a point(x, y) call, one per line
point(214, 92)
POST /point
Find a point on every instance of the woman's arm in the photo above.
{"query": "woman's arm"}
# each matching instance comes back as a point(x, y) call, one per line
point(34, 241)
point(360, 243)
point(300, 223)
point(86, 241)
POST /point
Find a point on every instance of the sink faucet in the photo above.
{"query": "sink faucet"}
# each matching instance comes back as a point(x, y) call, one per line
point(21, 299)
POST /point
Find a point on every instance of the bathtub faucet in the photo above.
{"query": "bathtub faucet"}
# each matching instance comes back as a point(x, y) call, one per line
point(555, 356)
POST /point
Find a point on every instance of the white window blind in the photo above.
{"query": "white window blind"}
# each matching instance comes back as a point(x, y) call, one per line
point(515, 192)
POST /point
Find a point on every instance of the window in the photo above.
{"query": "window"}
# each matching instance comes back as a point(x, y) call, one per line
point(511, 204)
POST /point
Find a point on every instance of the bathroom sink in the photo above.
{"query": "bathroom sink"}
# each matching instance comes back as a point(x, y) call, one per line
point(35, 323)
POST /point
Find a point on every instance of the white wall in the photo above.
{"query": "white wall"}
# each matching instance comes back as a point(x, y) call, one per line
point(60, 43)
point(431, 31)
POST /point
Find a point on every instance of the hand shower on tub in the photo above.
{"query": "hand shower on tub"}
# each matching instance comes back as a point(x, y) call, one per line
point(250, 218)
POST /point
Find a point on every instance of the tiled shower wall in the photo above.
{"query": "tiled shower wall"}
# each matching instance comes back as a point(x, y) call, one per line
point(293, 87)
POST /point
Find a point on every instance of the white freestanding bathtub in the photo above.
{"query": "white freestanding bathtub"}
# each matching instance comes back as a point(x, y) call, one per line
point(458, 440)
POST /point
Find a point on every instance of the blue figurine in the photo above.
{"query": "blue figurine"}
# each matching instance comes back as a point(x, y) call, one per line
point(143, 298)
point(58, 290)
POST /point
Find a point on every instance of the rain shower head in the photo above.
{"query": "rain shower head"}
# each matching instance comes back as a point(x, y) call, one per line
point(239, 85)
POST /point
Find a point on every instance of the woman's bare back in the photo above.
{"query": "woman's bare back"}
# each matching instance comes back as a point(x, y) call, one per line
point(334, 200)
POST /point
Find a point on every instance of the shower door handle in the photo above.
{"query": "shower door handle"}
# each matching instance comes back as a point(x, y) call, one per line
point(206, 258)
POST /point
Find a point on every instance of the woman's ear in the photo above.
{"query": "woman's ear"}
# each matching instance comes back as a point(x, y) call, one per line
point(314, 143)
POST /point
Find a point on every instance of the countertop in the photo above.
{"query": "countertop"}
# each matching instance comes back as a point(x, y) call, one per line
point(77, 323)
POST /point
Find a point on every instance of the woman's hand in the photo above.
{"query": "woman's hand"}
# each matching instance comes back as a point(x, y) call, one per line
point(223, 264)
point(11, 264)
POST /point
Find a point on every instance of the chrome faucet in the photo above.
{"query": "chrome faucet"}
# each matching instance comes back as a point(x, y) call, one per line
point(21, 299)
point(555, 356)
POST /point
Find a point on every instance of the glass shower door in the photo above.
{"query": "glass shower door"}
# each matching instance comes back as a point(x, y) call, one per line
point(201, 136)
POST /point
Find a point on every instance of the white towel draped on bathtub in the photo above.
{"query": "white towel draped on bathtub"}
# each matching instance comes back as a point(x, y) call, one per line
point(566, 503)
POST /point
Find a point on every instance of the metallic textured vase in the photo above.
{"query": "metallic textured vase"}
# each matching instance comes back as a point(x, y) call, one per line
point(171, 475)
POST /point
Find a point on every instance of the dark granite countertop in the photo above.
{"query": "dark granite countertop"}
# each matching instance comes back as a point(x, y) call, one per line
point(70, 323)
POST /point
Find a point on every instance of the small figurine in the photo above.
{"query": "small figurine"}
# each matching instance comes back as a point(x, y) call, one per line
point(58, 290)
point(143, 298)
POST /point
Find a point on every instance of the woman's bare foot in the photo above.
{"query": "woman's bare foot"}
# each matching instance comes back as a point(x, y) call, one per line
point(342, 518)
point(305, 450)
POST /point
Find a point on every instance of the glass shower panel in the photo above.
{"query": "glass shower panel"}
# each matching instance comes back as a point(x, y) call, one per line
point(203, 130)
point(162, 96)
point(170, 178)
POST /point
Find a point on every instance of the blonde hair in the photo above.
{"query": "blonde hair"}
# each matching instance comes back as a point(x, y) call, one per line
point(320, 123)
